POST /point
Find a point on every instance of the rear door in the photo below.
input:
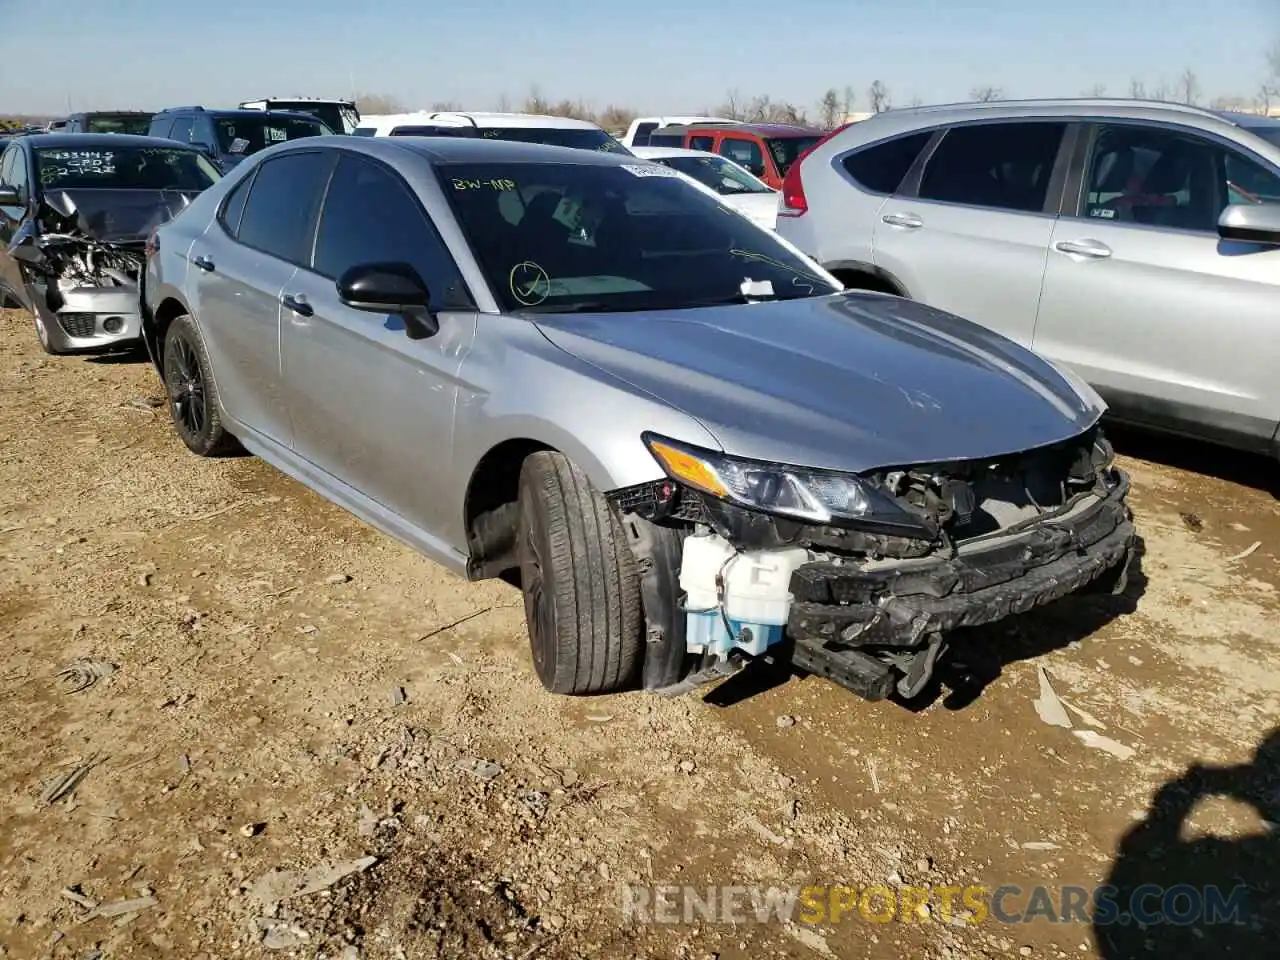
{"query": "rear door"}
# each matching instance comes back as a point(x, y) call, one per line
point(370, 406)
point(1174, 326)
point(239, 269)
point(971, 235)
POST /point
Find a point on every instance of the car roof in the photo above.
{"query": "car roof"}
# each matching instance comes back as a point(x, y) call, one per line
point(759, 129)
point(90, 141)
point(445, 150)
point(672, 152)
point(489, 119)
point(110, 113)
point(239, 112)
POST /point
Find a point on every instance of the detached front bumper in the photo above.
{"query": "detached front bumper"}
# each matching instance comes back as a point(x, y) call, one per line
point(840, 610)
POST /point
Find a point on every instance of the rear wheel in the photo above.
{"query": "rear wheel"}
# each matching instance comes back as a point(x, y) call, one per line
point(580, 580)
point(193, 396)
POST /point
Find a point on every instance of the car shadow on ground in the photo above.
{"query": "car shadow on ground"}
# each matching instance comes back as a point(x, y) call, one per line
point(1197, 456)
point(976, 657)
point(1170, 894)
point(136, 354)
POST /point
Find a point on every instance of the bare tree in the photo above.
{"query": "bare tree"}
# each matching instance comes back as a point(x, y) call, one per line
point(376, 103)
point(1162, 92)
point(616, 119)
point(535, 102)
point(831, 112)
point(1263, 99)
point(446, 106)
point(917, 102)
point(847, 100)
point(878, 97)
point(1097, 90)
point(504, 103)
point(1137, 89)
point(985, 94)
point(732, 106)
point(1189, 87)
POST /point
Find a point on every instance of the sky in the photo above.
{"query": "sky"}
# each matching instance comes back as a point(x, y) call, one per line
point(659, 56)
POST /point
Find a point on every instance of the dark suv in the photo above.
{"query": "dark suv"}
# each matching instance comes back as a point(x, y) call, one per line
point(109, 121)
point(228, 136)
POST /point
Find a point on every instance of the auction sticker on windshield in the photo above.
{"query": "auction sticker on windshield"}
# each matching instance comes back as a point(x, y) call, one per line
point(57, 164)
point(649, 170)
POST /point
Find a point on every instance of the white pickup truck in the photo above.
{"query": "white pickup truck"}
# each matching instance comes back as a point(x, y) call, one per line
point(638, 133)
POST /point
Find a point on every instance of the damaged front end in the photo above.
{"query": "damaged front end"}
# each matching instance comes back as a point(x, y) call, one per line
point(860, 579)
point(82, 256)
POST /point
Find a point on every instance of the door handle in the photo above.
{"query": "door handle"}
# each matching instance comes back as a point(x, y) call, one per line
point(908, 220)
point(1092, 249)
point(297, 303)
point(203, 262)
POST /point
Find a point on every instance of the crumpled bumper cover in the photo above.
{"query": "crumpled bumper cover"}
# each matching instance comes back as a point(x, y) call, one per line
point(900, 605)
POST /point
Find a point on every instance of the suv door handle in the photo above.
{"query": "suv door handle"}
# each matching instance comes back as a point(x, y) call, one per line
point(297, 303)
point(203, 262)
point(1092, 249)
point(908, 220)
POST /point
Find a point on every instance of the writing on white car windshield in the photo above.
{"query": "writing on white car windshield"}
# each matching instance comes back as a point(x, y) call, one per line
point(124, 168)
point(722, 176)
point(245, 134)
point(559, 237)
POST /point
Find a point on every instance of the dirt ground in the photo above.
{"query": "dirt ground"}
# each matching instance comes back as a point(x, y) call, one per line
point(283, 695)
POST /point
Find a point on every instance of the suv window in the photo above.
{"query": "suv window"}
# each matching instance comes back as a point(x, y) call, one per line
point(641, 138)
point(701, 143)
point(280, 214)
point(1001, 165)
point(181, 130)
point(1164, 178)
point(882, 167)
point(160, 127)
point(370, 216)
point(745, 153)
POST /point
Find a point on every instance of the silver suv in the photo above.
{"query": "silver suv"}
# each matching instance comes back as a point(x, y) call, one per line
point(1137, 243)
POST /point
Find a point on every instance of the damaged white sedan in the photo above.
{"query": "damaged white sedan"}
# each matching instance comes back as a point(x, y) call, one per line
point(75, 215)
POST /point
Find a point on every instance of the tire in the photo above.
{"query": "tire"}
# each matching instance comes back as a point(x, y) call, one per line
point(193, 395)
point(580, 580)
point(42, 335)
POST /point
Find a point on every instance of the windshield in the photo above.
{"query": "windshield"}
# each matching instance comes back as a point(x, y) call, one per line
point(127, 168)
point(243, 134)
point(1269, 133)
point(335, 116)
point(721, 175)
point(593, 237)
point(139, 124)
point(785, 150)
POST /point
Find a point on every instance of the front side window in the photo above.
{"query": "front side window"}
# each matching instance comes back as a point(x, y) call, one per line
point(786, 150)
point(745, 153)
point(882, 167)
point(1164, 178)
point(1004, 166)
point(370, 216)
point(117, 123)
point(718, 173)
point(244, 134)
point(701, 143)
point(605, 237)
point(280, 214)
point(124, 168)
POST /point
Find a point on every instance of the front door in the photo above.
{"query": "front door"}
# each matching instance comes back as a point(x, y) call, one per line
point(13, 173)
point(371, 407)
point(973, 237)
point(240, 268)
point(1171, 324)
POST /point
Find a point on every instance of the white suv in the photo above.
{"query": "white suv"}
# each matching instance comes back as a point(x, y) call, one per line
point(525, 127)
point(1136, 243)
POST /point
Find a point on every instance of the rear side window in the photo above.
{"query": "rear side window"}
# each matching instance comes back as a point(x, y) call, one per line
point(280, 214)
point(700, 143)
point(233, 205)
point(1004, 166)
point(160, 127)
point(364, 131)
point(641, 138)
point(181, 130)
point(882, 167)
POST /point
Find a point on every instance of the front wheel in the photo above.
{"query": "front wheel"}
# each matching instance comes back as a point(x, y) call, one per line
point(42, 334)
point(193, 396)
point(580, 580)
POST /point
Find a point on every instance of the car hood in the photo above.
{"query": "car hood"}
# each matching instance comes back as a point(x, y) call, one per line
point(853, 381)
point(116, 216)
point(759, 207)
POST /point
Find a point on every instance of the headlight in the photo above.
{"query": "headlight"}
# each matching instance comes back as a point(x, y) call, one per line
point(815, 496)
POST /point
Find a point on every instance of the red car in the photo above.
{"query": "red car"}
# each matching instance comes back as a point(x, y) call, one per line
point(766, 149)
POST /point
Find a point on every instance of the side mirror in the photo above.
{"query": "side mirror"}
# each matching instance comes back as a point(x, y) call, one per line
point(1251, 223)
point(9, 196)
point(394, 288)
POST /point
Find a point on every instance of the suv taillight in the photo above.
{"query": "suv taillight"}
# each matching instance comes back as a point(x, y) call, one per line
point(794, 203)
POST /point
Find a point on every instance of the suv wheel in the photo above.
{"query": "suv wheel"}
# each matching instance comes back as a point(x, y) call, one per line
point(580, 580)
point(193, 396)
